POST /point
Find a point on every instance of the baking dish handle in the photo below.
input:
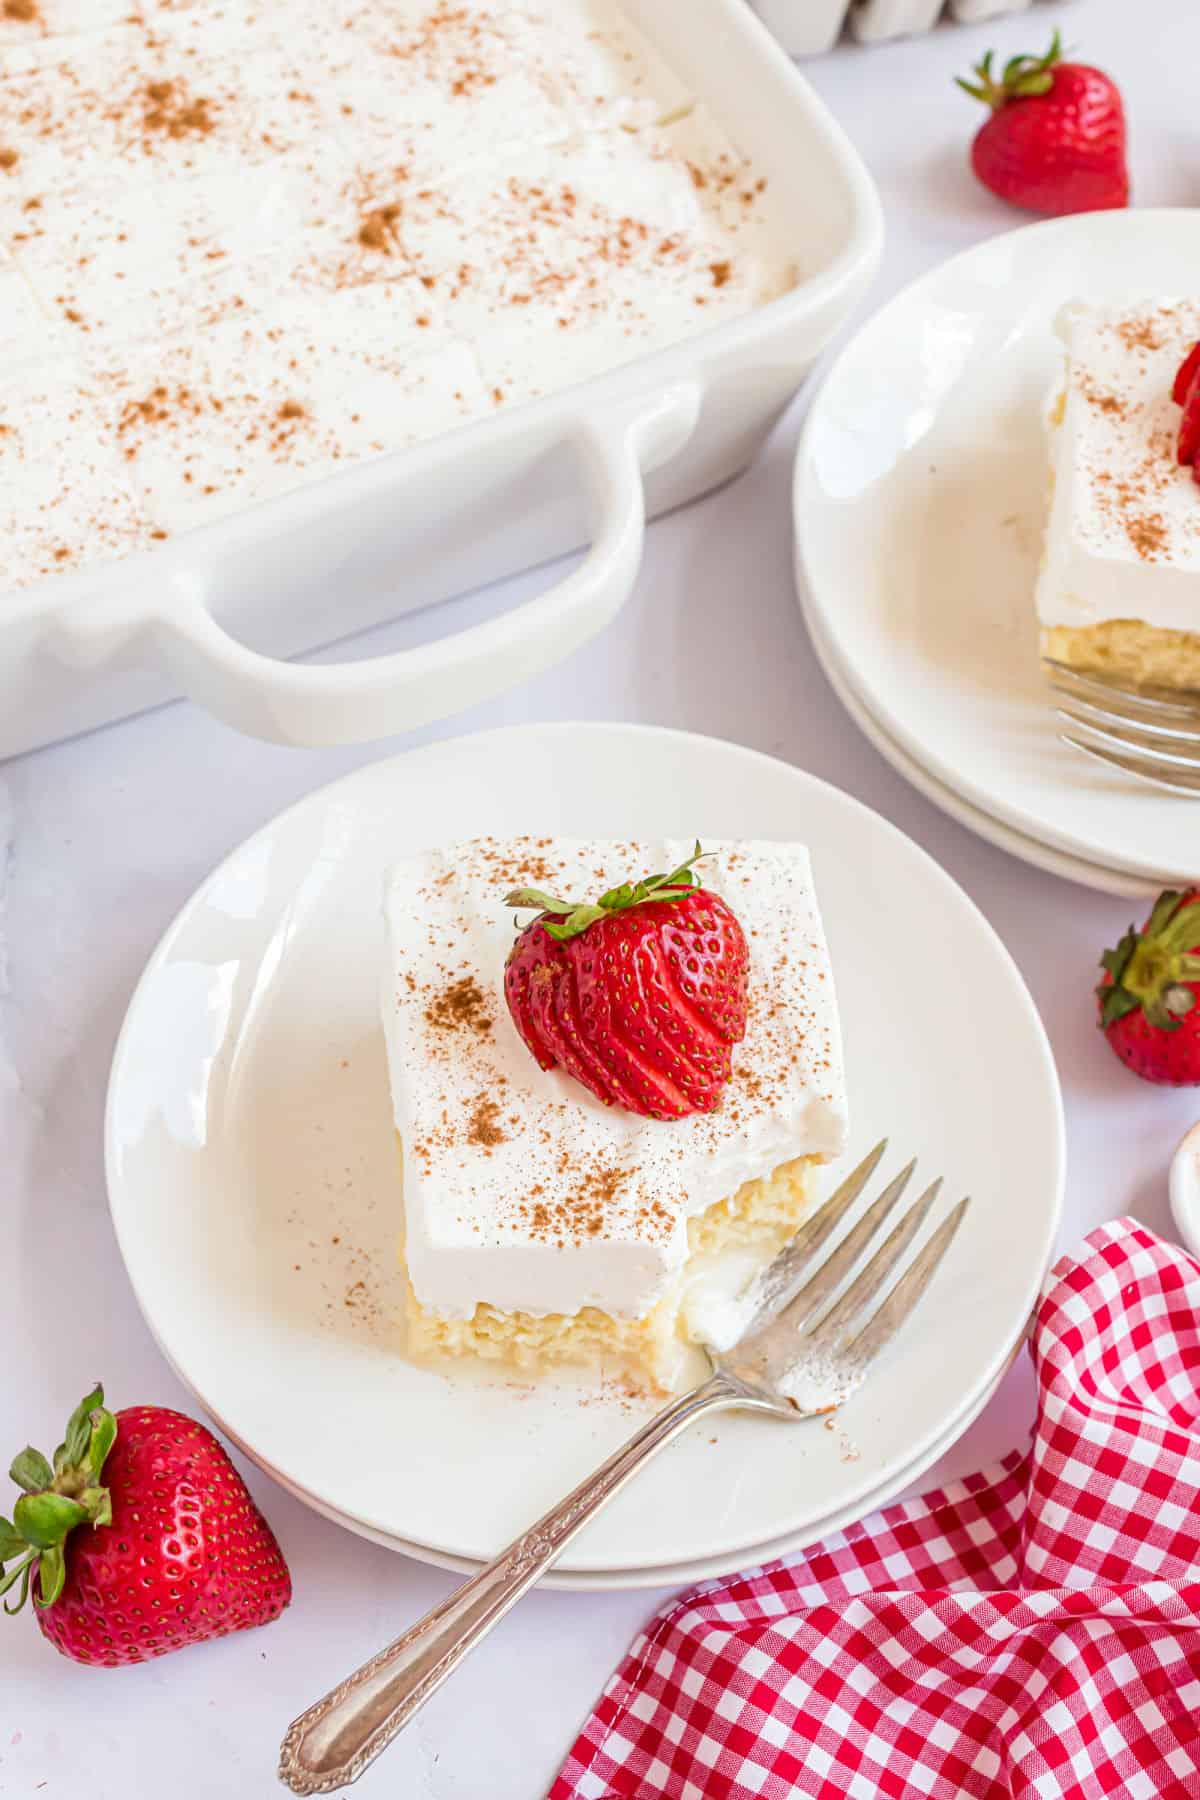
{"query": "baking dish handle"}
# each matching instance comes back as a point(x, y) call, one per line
point(354, 701)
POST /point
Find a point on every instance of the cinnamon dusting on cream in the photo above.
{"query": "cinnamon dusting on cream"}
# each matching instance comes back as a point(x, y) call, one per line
point(461, 1006)
point(378, 229)
point(484, 1127)
point(168, 108)
point(1147, 534)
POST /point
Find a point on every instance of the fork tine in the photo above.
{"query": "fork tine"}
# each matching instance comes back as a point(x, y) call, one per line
point(792, 1260)
point(891, 1314)
point(1173, 746)
point(1151, 703)
point(865, 1287)
point(1150, 733)
point(1157, 734)
point(839, 1262)
point(1152, 769)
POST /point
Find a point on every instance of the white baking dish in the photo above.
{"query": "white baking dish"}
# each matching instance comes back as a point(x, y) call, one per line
point(212, 614)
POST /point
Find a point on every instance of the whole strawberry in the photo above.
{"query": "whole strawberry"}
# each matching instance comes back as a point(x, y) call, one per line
point(1148, 998)
point(640, 996)
point(140, 1539)
point(1055, 141)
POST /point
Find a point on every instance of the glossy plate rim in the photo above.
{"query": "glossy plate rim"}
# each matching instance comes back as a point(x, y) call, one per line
point(656, 1575)
point(994, 831)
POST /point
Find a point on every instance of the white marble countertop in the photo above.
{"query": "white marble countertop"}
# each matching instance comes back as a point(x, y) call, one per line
point(110, 834)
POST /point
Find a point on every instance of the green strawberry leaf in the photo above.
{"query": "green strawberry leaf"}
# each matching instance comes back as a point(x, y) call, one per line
point(11, 1541)
point(1117, 961)
point(1165, 908)
point(575, 922)
point(31, 1471)
point(1158, 1013)
point(1115, 1003)
point(19, 1572)
point(1182, 933)
point(79, 1430)
point(97, 1503)
point(534, 899)
point(1016, 65)
point(663, 889)
point(52, 1577)
point(684, 872)
point(45, 1519)
point(1022, 77)
point(103, 1437)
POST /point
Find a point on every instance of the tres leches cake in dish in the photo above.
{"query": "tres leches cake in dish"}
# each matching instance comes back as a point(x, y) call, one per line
point(609, 1121)
point(245, 244)
point(1119, 589)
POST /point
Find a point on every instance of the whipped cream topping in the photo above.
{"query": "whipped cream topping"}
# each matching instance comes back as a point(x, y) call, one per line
point(388, 217)
point(1123, 538)
point(521, 1189)
point(75, 503)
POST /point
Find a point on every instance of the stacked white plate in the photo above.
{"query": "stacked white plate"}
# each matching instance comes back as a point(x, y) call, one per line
point(920, 497)
point(806, 27)
point(254, 1185)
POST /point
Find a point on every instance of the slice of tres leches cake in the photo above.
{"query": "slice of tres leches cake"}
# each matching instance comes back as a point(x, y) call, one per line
point(1118, 593)
point(599, 1115)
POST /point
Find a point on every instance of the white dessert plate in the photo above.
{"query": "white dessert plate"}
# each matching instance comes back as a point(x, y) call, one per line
point(1185, 1189)
point(919, 500)
point(993, 831)
point(700, 1568)
point(254, 1189)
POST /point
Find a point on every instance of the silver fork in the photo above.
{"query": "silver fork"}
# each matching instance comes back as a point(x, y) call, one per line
point(1150, 733)
point(799, 1357)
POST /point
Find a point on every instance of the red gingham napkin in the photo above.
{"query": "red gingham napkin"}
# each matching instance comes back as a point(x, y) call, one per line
point(1033, 1631)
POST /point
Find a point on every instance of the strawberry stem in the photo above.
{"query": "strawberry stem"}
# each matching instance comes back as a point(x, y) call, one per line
point(1151, 969)
point(54, 1501)
point(575, 916)
point(1022, 78)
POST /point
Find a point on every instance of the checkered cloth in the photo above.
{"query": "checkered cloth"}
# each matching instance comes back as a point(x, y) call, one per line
point(1032, 1631)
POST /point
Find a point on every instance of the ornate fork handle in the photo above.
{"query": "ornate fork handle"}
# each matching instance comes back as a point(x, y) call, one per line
point(331, 1744)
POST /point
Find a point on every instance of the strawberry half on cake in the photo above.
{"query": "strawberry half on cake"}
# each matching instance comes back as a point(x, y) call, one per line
point(611, 1090)
point(1119, 588)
